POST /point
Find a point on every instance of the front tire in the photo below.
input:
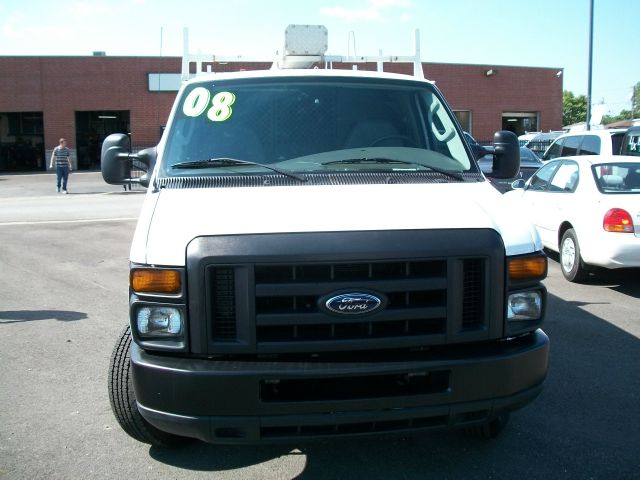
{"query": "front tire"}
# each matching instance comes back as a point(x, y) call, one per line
point(123, 399)
point(571, 262)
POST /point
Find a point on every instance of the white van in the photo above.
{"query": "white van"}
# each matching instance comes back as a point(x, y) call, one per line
point(592, 142)
point(319, 255)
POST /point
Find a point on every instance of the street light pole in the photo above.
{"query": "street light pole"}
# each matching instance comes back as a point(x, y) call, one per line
point(590, 64)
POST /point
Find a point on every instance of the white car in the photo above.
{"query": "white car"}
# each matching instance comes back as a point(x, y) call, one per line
point(587, 208)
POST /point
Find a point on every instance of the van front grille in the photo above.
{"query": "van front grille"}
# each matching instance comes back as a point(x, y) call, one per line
point(222, 281)
point(272, 294)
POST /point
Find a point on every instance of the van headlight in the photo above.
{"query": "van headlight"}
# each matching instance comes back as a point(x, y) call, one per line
point(524, 306)
point(157, 307)
point(159, 321)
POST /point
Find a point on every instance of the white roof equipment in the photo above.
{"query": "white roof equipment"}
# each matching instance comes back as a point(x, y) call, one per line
point(305, 46)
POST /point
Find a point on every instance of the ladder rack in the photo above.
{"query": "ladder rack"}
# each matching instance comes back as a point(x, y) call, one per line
point(305, 47)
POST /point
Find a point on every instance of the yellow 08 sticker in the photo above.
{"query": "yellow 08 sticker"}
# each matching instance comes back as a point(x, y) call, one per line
point(221, 106)
point(196, 102)
point(218, 108)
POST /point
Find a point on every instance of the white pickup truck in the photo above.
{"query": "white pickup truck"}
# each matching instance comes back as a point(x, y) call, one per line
point(319, 255)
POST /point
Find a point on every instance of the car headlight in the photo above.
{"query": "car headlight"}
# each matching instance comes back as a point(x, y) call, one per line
point(524, 306)
point(159, 321)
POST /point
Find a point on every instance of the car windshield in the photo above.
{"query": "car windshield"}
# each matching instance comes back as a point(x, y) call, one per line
point(617, 177)
point(312, 125)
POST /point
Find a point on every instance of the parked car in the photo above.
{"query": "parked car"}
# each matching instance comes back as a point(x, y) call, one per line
point(529, 163)
point(586, 208)
point(591, 142)
point(538, 142)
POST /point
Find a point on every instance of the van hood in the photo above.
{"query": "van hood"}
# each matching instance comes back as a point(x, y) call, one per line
point(171, 218)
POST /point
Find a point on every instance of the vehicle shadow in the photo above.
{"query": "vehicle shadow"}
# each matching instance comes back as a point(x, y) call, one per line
point(128, 192)
point(583, 425)
point(18, 316)
point(623, 280)
point(103, 192)
point(200, 456)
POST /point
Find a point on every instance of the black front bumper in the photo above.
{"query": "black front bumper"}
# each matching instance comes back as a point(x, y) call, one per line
point(260, 401)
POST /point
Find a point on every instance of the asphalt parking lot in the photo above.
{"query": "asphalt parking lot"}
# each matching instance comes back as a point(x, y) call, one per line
point(63, 302)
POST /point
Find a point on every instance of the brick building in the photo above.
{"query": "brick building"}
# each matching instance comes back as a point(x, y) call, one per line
point(86, 98)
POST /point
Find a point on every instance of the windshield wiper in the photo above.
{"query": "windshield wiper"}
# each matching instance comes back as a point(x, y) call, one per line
point(369, 160)
point(234, 162)
point(348, 161)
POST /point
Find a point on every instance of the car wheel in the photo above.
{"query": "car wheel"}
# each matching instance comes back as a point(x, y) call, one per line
point(571, 262)
point(123, 400)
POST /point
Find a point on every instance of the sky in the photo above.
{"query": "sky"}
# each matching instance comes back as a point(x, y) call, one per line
point(534, 33)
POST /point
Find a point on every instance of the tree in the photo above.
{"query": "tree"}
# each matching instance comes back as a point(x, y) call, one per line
point(635, 101)
point(574, 108)
point(627, 114)
point(623, 115)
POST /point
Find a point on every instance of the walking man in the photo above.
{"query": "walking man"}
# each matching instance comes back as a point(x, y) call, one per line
point(62, 156)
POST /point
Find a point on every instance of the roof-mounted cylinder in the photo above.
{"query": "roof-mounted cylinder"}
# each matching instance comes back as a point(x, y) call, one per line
point(304, 45)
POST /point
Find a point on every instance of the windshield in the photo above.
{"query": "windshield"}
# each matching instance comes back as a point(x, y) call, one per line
point(312, 125)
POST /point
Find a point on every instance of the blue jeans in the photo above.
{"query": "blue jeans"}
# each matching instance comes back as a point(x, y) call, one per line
point(62, 174)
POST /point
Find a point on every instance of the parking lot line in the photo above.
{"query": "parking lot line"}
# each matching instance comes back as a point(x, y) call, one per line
point(84, 220)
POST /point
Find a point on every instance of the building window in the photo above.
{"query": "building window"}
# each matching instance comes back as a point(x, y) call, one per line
point(25, 123)
point(464, 118)
point(520, 122)
point(92, 127)
point(22, 142)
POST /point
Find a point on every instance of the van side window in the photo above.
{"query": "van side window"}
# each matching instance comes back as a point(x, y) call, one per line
point(590, 145)
point(616, 142)
point(571, 145)
point(555, 150)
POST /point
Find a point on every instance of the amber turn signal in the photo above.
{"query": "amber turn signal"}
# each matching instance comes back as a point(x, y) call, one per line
point(145, 280)
point(528, 268)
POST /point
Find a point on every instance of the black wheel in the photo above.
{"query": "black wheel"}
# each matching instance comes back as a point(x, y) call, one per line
point(491, 429)
point(571, 262)
point(123, 400)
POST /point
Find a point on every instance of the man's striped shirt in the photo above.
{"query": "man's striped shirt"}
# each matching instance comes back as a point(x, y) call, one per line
point(62, 155)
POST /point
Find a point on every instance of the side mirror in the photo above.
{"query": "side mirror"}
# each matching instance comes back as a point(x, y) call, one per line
point(117, 163)
point(506, 155)
point(114, 160)
point(518, 184)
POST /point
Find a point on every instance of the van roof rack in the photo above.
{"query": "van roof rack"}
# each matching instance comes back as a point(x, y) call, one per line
point(305, 46)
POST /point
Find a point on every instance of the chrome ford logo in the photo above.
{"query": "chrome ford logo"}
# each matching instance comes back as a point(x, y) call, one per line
point(353, 303)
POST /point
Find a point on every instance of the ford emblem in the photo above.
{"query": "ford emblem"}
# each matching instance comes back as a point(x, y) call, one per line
point(353, 303)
